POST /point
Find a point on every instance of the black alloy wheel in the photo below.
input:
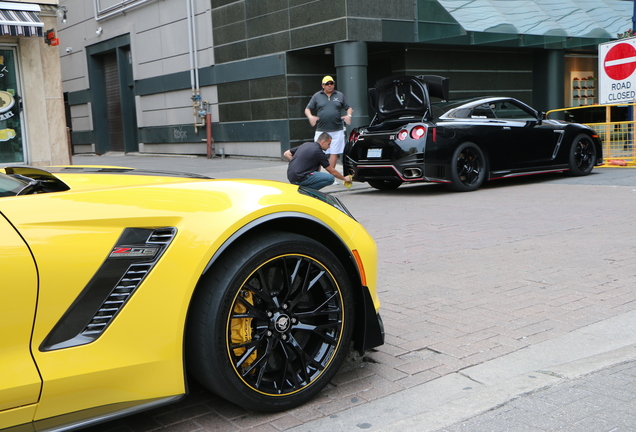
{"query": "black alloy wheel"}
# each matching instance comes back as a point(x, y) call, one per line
point(272, 322)
point(468, 168)
point(582, 155)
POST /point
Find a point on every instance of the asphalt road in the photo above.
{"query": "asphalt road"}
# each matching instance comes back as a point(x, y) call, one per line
point(490, 299)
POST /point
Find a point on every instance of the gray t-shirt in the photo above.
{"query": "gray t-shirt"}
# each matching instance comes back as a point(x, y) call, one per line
point(329, 110)
point(307, 158)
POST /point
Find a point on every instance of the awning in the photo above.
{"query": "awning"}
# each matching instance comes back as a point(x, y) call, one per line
point(565, 23)
point(18, 19)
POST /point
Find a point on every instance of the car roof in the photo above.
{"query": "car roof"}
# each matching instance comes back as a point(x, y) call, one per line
point(444, 108)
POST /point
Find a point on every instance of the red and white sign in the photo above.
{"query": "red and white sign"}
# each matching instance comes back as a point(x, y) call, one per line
point(617, 67)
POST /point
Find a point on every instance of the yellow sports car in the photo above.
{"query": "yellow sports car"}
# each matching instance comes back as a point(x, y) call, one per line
point(117, 284)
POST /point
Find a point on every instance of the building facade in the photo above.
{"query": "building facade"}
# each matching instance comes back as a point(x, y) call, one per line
point(32, 119)
point(145, 75)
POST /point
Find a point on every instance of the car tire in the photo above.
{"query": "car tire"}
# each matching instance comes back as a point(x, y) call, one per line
point(582, 157)
point(271, 322)
point(384, 184)
point(468, 168)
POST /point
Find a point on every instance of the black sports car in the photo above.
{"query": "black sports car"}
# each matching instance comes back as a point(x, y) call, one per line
point(462, 143)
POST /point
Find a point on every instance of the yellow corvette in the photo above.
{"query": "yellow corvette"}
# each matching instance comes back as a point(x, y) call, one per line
point(118, 284)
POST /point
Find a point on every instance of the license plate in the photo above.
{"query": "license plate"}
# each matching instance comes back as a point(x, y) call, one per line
point(374, 153)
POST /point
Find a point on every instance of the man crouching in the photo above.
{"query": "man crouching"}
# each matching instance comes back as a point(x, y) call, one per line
point(305, 162)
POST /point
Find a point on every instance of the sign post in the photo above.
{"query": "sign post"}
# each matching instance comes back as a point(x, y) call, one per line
point(617, 83)
point(617, 64)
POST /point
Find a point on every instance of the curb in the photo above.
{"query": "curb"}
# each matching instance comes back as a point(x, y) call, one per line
point(478, 389)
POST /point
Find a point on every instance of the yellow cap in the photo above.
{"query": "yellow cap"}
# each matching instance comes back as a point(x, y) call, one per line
point(326, 79)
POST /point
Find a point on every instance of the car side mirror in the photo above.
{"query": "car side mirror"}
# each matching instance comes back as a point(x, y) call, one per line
point(540, 117)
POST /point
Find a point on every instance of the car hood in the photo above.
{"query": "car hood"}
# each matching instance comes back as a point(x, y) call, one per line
point(407, 94)
point(62, 178)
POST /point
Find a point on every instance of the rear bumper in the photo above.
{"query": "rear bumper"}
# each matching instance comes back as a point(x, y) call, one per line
point(411, 169)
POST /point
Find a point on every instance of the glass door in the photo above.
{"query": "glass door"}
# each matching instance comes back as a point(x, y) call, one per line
point(11, 140)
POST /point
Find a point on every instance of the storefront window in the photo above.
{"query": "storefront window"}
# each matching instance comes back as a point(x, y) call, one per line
point(11, 145)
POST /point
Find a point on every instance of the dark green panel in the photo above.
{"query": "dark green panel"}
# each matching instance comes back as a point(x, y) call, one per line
point(268, 24)
point(296, 106)
point(319, 34)
point(127, 99)
point(266, 88)
point(243, 70)
point(368, 30)
point(235, 112)
point(79, 97)
point(300, 131)
point(231, 14)
point(269, 109)
point(166, 134)
point(396, 9)
point(108, 45)
point(441, 33)
point(304, 86)
point(495, 38)
point(230, 33)
point(265, 45)
point(232, 52)
point(490, 80)
point(468, 59)
point(433, 11)
point(233, 91)
point(398, 31)
point(294, 3)
point(271, 130)
point(256, 8)
point(532, 40)
point(83, 137)
point(316, 12)
point(163, 83)
point(99, 112)
point(221, 3)
point(302, 63)
point(250, 69)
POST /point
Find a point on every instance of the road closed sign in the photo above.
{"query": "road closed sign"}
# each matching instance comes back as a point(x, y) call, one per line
point(616, 71)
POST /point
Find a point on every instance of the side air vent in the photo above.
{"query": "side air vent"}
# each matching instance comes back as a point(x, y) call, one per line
point(116, 300)
point(127, 265)
point(162, 235)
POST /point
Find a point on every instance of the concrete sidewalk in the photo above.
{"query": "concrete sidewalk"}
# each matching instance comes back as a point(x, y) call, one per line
point(558, 353)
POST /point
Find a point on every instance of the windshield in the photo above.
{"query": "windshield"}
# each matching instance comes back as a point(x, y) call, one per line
point(10, 186)
point(441, 108)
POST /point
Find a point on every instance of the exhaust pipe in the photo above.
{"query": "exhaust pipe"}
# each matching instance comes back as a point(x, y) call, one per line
point(412, 173)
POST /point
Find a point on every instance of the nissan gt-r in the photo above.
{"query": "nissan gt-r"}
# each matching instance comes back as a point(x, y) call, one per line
point(461, 143)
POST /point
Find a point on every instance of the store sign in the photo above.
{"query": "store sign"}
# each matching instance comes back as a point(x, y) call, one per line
point(617, 67)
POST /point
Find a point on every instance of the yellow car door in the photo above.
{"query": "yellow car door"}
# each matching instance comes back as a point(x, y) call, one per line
point(19, 378)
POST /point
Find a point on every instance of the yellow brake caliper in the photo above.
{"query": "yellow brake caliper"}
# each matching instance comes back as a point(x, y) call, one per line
point(241, 328)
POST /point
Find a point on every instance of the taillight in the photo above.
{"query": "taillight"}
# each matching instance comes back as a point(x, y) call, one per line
point(353, 137)
point(418, 132)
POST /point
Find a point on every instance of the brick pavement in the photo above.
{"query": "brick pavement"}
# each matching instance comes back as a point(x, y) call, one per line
point(464, 279)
